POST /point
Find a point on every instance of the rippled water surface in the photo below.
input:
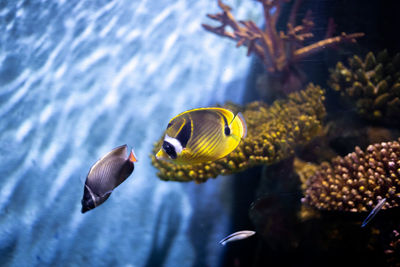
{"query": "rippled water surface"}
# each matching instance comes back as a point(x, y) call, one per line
point(78, 78)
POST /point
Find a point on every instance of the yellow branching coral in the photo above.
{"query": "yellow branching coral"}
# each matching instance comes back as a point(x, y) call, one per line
point(272, 134)
point(357, 181)
point(304, 170)
point(372, 85)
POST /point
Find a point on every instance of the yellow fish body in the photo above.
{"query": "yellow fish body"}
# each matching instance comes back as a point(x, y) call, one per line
point(201, 135)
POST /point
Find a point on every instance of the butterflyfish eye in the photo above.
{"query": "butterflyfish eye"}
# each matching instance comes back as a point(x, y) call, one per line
point(169, 149)
point(227, 130)
point(169, 125)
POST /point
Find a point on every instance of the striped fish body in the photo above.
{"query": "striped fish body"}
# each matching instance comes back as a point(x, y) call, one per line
point(201, 135)
point(105, 175)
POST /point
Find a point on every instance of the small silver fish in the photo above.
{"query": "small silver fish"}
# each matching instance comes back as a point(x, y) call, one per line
point(105, 175)
point(237, 236)
point(374, 212)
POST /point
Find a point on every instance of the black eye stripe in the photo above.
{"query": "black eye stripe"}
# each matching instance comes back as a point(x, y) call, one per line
point(169, 149)
point(169, 125)
point(227, 130)
point(225, 121)
point(184, 135)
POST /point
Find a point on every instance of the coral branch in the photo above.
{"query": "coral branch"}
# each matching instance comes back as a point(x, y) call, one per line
point(276, 50)
point(318, 46)
point(293, 12)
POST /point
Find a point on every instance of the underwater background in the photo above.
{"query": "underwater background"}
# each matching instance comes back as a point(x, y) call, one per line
point(78, 78)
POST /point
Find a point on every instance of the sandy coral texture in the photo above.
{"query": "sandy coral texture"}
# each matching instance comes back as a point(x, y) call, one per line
point(358, 181)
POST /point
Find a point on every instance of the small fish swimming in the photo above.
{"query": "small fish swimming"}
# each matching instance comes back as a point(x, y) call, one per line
point(374, 212)
point(201, 135)
point(237, 236)
point(105, 175)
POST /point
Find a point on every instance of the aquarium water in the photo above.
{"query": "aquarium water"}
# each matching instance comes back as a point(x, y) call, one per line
point(78, 78)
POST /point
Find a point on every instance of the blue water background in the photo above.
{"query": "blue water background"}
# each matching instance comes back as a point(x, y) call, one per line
point(78, 78)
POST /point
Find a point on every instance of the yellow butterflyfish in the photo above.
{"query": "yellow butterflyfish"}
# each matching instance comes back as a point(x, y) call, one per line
point(201, 135)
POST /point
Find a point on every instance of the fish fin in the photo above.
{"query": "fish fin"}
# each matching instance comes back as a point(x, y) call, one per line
point(184, 157)
point(186, 152)
point(107, 193)
point(132, 156)
point(223, 110)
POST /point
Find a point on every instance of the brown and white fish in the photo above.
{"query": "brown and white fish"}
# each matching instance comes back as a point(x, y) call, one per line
point(105, 175)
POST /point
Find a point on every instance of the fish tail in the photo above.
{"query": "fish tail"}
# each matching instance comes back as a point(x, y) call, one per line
point(132, 156)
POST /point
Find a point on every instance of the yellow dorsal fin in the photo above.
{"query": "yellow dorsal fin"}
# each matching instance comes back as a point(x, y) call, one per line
point(228, 114)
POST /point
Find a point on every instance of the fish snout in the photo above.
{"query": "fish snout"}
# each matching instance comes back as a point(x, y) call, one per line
point(87, 204)
point(85, 208)
point(161, 155)
point(87, 201)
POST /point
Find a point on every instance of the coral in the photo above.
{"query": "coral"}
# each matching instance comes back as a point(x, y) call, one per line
point(357, 181)
point(272, 134)
point(393, 250)
point(277, 50)
point(371, 85)
point(304, 170)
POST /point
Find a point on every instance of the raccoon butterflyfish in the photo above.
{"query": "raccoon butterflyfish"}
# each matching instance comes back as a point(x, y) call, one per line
point(201, 135)
point(105, 175)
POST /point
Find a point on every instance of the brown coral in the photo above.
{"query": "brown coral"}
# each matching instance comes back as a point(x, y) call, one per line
point(393, 250)
point(273, 133)
point(357, 181)
point(371, 85)
point(277, 50)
